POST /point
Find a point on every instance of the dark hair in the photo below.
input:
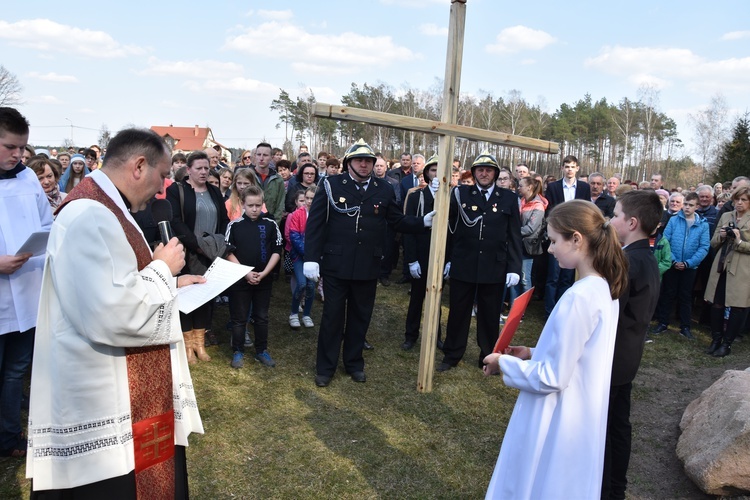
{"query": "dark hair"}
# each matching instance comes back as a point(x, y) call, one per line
point(180, 174)
point(90, 153)
point(264, 145)
point(585, 218)
point(252, 190)
point(303, 154)
point(644, 206)
point(135, 142)
point(38, 164)
point(284, 163)
point(570, 159)
point(692, 196)
point(302, 168)
point(194, 156)
point(179, 157)
point(334, 161)
point(405, 153)
point(276, 150)
point(12, 121)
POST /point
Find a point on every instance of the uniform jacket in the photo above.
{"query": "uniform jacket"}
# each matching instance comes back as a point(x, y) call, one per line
point(417, 246)
point(637, 305)
point(555, 196)
point(737, 263)
point(688, 245)
point(486, 251)
point(350, 245)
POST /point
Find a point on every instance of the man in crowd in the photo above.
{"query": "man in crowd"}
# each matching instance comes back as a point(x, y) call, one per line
point(522, 170)
point(213, 159)
point(412, 180)
point(599, 197)
point(112, 402)
point(390, 246)
point(24, 209)
point(566, 189)
point(656, 182)
point(484, 255)
point(344, 245)
point(271, 182)
point(612, 184)
point(400, 173)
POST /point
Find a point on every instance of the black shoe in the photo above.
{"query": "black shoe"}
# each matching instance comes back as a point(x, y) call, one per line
point(211, 339)
point(385, 281)
point(368, 346)
point(358, 377)
point(723, 350)
point(440, 344)
point(404, 280)
point(408, 345)
point(322, 380)
point(660, 328)
point(685, 332)
point(443, 367)
point(715, 343)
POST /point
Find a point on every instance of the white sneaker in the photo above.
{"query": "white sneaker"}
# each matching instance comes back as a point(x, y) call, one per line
point(307, 321)
point(294, 320)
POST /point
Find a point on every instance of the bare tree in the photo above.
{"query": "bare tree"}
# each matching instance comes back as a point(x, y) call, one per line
point(710, 131)
point(10, 88)
point(624, 118)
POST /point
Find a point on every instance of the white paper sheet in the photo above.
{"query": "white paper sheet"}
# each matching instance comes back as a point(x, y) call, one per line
point(219, 276)
point(36, 244)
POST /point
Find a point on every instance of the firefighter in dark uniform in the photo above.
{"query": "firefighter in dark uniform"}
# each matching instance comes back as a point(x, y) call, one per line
point(344, 245)
point(484, 256)
point(417, 253)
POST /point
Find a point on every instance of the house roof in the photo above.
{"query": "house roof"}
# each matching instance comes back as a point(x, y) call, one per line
point(187, 138)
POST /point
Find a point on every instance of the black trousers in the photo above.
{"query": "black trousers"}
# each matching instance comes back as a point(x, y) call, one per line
point(489, 302)
point(118, 488)
point(347, 312)
point(618, 444)
point(240, 300)
point(676, 285)
point(414, 312)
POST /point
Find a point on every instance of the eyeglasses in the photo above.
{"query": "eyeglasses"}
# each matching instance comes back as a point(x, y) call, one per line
point(247, 157)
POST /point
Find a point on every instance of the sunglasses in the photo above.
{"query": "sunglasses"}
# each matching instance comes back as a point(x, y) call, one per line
point(247, 157)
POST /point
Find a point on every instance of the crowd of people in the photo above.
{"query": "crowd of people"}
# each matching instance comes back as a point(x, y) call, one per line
point(606, 255)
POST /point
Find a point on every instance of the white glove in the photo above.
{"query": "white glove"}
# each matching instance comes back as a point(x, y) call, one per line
point(311, 270)
point(428, 218)
point(434, 185)
point(512, 279)
point(447, 270)
point(415, 270)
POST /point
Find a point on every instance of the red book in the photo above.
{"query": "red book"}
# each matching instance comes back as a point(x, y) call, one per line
point(514, 319)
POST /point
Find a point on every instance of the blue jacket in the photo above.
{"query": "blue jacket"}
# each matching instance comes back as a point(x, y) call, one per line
point(689, 246)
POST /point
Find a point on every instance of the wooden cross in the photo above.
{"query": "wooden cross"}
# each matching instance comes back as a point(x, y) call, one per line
point(448, 131)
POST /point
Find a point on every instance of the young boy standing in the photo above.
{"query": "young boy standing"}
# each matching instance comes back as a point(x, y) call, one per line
point(254, 240)
point(636, 215)
point(687, 233)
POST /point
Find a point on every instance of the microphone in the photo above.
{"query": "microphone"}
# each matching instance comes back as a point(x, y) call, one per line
point(162, 212)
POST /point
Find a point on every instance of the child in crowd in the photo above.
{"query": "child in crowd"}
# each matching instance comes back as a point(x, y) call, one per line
point(296, 225)
point(687, 233)
point(558, 426)
point(299, 201)
point(253, 240)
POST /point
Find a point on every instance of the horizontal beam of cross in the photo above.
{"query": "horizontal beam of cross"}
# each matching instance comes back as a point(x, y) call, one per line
point(346, 113)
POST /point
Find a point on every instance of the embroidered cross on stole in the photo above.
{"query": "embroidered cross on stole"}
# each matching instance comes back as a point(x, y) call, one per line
point(149, 378)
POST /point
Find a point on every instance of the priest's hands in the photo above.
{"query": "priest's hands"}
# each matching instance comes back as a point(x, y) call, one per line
point(189, 279)
point(9, 264)
point(173, 255)
point(521, 352)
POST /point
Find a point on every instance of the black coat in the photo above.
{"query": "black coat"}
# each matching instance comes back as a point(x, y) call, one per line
point(350, 246)
point(183, 228)
point(606, 204)
point(491, 248)
point(637, 306)
point(555, 196)
point(417, 245)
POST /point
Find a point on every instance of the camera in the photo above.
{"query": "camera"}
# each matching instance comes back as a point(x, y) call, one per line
point(728, 230)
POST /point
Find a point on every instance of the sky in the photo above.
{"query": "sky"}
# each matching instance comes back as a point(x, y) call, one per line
point(221, 63)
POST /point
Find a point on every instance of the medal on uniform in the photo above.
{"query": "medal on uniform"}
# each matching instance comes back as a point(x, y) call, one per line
point(342, 200)
point(463, 205)
point(474, 208)
point(376, 209)
point(494, 207)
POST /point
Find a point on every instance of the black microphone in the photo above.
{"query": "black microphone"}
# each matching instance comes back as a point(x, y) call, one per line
point(162, 212)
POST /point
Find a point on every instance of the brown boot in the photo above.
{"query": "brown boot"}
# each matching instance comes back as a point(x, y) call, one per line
point(188, 336)
point(199, 339)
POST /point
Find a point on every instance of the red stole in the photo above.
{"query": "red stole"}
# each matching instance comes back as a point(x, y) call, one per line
point(149, 377)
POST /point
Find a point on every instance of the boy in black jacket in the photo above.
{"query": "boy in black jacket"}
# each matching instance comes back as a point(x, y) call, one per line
point(253, 240)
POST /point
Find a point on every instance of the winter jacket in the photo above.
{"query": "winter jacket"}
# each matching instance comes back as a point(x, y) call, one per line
point(296, 224)
point(688, 246)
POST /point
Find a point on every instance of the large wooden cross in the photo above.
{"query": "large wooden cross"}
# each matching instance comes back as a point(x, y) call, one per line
point(448, 131)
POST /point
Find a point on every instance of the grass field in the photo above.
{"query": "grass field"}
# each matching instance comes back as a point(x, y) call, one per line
point(271, 433)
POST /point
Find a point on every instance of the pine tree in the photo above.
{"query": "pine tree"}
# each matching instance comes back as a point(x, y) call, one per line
point(734, 159)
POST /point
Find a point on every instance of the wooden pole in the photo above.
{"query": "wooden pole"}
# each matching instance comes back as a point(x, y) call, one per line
point(452, 84)
point(433, 127)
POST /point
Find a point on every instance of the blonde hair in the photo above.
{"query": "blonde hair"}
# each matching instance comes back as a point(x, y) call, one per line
point(235, 201)
point(604, 247)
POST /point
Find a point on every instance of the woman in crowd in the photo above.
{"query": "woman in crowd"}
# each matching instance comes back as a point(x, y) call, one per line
point(533, 205)
point(199, 217)
point(554, 443)
point(74, 174)
point(247, 158)
point(243, 178)
point(729, 281)
point(307, 176)
point(48, 176)
point(225, 182)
